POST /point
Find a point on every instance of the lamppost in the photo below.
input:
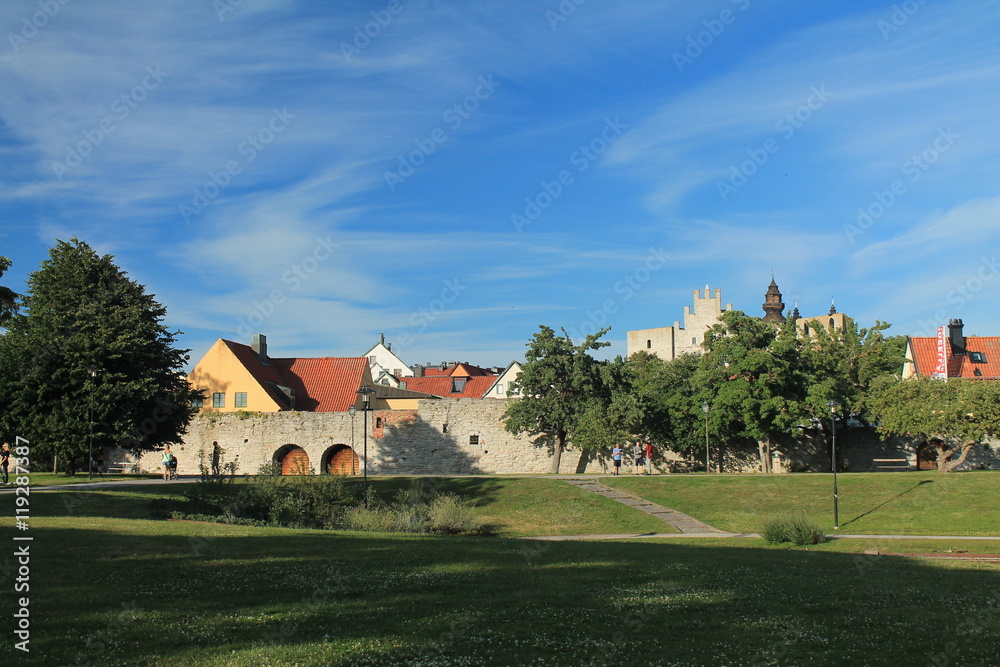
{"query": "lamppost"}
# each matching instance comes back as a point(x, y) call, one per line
point(366, 393)
point(704, 408)
point(352, 411)
point(90, 464)
point(833, 405)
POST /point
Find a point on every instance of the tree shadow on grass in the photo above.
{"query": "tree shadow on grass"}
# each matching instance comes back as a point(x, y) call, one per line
point(210, 595)
point(883, 504)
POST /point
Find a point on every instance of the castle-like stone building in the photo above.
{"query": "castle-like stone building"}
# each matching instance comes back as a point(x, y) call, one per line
point(669, 342)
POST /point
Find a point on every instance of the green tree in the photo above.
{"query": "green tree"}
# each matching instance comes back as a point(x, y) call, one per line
point(671, 414)
point(753, 376)
point(560, 384)
point(87, 338)
point(952, 416)
point(843, 363)
point(8, 298)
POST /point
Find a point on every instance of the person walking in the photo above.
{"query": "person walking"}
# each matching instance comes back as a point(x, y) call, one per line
point(168, 456)
point(616, 457)
point(649, 458)
point(5, 463)
point(640, 458)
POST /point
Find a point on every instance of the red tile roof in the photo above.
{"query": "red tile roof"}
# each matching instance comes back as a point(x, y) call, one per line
point(475, 387)
point(924, 352)
point(321, 384)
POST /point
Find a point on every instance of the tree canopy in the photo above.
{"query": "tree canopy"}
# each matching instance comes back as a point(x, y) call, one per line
point(88, 337)
point(564, 393)
point(8, 298)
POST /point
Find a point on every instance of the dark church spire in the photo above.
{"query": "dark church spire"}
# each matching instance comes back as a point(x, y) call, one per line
point(773, 306)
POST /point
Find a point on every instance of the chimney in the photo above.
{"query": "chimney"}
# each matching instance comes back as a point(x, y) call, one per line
point(956, 336)
point(259, 345)
point(418, 370)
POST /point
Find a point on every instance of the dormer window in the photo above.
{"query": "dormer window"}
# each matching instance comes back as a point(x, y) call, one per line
point(977, 357)
point(457, 385)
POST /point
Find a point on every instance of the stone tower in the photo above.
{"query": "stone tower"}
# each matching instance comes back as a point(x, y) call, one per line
point(773, 306)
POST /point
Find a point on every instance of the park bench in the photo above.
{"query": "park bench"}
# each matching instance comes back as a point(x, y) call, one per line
point(890, 465)
point(120, 468)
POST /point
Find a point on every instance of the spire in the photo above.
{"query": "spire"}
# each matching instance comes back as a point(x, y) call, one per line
point(833, 307)
point(773, 306)
point(795, 312)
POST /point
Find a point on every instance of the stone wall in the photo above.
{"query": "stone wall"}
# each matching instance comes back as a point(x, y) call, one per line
point(466, 436)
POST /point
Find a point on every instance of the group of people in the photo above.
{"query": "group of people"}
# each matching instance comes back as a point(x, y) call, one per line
point(643, 455)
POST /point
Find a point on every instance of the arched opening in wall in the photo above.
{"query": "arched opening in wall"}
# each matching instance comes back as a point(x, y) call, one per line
point(293, 460)
point(927, 456)
point(341, 460)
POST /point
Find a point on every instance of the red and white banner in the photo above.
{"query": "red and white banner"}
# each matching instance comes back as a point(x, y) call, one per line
point(941, 370)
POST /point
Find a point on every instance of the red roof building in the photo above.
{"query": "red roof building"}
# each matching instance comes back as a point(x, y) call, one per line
point(973, 357)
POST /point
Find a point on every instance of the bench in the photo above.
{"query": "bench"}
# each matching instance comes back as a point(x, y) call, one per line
point(890, 465)
point(120, 468)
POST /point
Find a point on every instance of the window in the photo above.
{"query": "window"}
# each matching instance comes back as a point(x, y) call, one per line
point(473, 439)
point(977, 357)
point(198, 403)
point(649, 344)
point(241, 399)
point(500, 389)
point(694, 341)
point(378, 422)
point(218, 400)
point(457, 385)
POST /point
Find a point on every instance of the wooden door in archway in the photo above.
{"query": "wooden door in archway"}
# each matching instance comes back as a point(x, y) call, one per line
point(295, 462)
point(927, 457)
point(344, 461)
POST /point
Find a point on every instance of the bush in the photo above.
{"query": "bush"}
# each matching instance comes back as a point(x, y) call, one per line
point(792, 527)
point(450, 514)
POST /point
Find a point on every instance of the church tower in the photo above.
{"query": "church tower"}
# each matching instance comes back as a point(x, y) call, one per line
point(773, 306)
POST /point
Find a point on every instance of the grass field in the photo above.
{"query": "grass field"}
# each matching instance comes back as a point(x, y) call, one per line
point(111, 587)
point(926, 503)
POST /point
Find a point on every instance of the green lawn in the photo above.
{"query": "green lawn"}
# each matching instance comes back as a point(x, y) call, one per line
point(111, 591)
point(924, 503)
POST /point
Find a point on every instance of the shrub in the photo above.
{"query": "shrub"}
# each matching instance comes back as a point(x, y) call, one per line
point(450, 514)
point(792, 527)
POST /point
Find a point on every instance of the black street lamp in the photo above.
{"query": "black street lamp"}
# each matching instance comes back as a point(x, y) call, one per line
point(833, 405)
point(90, 464)
point(366, 393)
point(704, 408)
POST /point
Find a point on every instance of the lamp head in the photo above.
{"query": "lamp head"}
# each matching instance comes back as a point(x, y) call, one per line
point(704, 407)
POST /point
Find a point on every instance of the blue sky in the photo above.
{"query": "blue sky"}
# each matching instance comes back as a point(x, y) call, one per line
point(457, 173)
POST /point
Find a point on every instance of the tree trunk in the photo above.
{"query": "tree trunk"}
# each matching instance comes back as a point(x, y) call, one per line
point(945, 465)
point(557, 452)
point(764, 450)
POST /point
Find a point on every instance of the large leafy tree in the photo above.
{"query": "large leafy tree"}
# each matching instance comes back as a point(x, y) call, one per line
point(952, 416)
point(562, 388)
point(670, 410)
point(754, 377)
point(8, 298)
point(842, 364)
point(90, 338)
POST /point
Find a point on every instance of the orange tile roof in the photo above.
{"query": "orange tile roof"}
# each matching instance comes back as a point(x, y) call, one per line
point(321, 384)
point(924, 350)
point(475, 387)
